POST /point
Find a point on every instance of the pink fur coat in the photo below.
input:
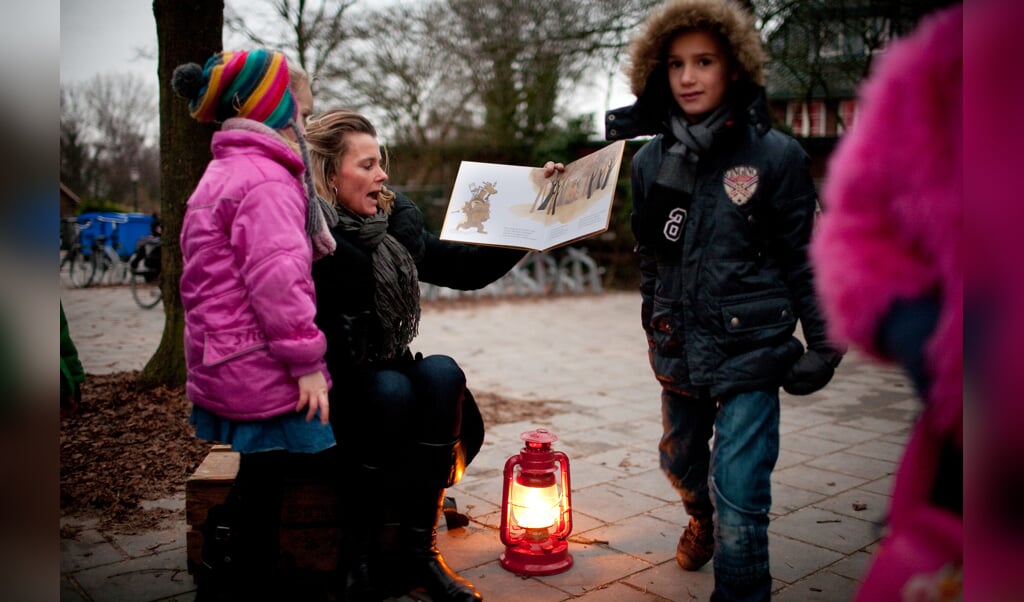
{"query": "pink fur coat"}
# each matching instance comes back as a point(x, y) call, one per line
point(994, 237)
point(891, 230)
point(893, 200)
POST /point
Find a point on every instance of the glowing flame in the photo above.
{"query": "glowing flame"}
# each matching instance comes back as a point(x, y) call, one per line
point(535, 507)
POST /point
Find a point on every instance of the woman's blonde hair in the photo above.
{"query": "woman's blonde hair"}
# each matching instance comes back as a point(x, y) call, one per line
point(327, 138)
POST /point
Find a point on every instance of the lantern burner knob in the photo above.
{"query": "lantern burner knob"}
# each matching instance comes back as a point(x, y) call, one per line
point(539, 436)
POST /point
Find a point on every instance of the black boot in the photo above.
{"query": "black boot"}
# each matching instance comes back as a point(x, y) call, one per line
point(241, 537)
point(216, 575)
point(425, 563)
point(260, 535)
point(439, 466)
point(355, 576)
point(358, 585)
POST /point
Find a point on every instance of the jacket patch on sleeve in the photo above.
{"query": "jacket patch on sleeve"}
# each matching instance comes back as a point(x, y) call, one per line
point(740, 183)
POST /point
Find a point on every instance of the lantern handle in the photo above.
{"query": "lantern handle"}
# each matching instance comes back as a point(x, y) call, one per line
point(506, 506)
point(566, 522)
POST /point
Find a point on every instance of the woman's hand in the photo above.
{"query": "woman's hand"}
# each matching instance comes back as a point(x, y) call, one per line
point(550, 168)
point(313, 394)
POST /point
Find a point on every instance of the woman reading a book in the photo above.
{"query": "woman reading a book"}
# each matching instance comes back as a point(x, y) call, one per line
point(406, 423)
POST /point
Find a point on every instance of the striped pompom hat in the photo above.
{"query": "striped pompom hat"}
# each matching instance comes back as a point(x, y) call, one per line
point(249, 83)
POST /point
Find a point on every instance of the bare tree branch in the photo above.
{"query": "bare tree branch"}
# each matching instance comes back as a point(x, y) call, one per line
point(313, 33)
point(106, 127)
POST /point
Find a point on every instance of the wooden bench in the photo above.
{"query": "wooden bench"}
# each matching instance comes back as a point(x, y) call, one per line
point(310, 529)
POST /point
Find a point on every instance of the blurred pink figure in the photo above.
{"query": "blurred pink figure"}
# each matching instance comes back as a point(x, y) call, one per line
point(994, 330)
point(888, 260)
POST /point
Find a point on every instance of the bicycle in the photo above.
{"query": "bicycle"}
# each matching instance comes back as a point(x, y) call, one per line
point(79, 262)
point(144, 272)
point(108, 257)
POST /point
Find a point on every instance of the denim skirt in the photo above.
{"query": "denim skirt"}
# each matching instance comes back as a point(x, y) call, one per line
point(289, 431)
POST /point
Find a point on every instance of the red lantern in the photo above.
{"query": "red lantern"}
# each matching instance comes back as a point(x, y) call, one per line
point(536, 508)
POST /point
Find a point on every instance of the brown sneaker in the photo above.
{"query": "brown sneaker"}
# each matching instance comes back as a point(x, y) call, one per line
point(696, 545)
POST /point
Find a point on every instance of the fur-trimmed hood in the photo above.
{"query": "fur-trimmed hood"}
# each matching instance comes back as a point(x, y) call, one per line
point(648, 74)
point(724, 17)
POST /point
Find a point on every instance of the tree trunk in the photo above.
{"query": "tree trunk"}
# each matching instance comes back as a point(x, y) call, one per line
point(187, 31)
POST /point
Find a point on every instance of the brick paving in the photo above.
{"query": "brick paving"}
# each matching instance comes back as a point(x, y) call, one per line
point(586, 357)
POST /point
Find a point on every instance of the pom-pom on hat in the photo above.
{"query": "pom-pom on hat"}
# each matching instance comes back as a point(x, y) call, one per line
point(249, 83)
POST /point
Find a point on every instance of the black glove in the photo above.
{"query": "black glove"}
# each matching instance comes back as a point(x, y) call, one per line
point(811, 371)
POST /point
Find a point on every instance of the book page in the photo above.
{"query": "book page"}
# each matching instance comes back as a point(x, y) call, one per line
point(514, 206)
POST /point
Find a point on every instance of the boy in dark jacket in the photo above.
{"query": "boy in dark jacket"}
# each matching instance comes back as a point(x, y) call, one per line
point(723, 208)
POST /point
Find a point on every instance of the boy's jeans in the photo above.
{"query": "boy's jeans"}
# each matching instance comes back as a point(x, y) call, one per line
point(731, 479)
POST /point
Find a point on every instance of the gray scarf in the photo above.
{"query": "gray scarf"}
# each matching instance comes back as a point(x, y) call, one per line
point(397, 293)
point(678, 168)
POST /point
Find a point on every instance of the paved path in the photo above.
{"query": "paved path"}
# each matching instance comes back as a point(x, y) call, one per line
point(830, 488)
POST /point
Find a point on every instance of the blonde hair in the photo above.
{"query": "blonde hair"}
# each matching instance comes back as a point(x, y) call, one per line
point(296, 76)
point(327, 138)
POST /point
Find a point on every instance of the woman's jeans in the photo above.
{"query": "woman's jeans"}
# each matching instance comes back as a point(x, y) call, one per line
point(409, 401)
point(731, 480)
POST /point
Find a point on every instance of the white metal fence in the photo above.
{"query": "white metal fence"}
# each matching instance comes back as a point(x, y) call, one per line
point(537, 274)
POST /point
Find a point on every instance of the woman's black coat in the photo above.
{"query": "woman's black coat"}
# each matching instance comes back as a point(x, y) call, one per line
point(345, 300)
point(345, 285)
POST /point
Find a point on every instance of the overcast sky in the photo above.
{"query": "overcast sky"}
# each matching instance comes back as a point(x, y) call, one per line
point(105, 36)
point(117, 36)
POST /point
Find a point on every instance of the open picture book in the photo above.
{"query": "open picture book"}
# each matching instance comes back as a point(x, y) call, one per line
point(513, 206)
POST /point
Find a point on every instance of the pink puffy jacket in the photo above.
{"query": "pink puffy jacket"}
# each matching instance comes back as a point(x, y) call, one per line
point(246, 283)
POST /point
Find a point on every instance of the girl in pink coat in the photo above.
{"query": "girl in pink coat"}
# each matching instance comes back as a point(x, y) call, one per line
point(254, 356)
point(888, 260)
point(994, 296)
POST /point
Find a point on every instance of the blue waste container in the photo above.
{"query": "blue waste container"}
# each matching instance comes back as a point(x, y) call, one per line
point(122, 230)
point(138, 225)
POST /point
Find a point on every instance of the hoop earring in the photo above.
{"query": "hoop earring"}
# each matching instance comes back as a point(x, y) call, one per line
point(335, 189)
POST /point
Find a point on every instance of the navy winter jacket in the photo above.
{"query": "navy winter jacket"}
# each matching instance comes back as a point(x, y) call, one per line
point(720, 311)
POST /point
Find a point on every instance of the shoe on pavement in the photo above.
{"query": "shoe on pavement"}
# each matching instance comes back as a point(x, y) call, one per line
point(696, 545)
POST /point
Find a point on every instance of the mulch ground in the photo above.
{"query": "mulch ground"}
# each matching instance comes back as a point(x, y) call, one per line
point(123, 446)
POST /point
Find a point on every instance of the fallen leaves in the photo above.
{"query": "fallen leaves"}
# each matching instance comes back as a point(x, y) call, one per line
point(122, 446)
